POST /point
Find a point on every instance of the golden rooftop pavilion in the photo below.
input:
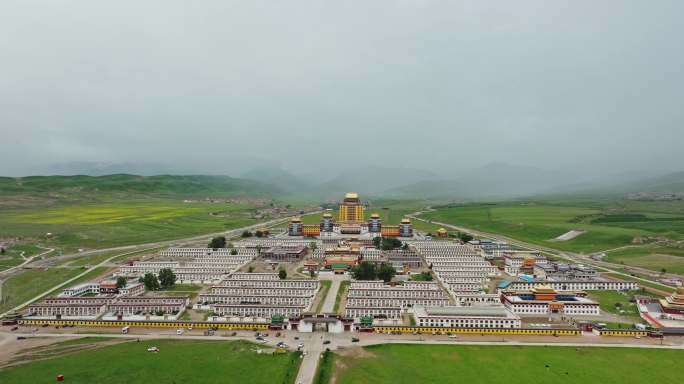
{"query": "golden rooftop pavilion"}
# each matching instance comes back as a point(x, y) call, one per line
point(351, 223)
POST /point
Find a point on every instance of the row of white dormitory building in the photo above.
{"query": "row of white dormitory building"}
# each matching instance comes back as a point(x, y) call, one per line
point(259, 295)
point(578, 306)
point(596, 284)
point(459, 268)
point(377, 299)
point(465, 273)
point(194, 265)
point(109, 306)
point(96, 288)
point(207, 253)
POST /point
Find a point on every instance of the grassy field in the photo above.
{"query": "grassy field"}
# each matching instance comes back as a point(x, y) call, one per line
point(652, 256)
point(108, 224)
point(617, 303)
point(178, 361)
point(398, 363)
point(13, 255)
point(28, 284)
point(182, 290)
point(607, 224)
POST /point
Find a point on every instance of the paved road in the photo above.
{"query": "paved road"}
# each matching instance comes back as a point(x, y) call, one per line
point(315, 348)
point(309, 366)
point(329, 303)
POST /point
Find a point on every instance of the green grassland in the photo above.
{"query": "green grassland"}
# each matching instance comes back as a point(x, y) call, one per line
point(31, 283)
point(115, 223)
point(80, 188)
point(608, 224)
point(651, 256)
point(397, 363)
point(13, 255)
point(105, 211)
point(614, 302)
point(179, 361)
point(26, 285)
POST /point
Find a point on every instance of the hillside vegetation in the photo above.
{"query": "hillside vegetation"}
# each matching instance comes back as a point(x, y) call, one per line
point(163, 185)
point(104, 211)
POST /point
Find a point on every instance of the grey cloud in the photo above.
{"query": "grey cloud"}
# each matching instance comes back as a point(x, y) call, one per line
point(219, 86)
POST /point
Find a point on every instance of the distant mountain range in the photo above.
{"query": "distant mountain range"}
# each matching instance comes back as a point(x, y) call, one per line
point(491, 182)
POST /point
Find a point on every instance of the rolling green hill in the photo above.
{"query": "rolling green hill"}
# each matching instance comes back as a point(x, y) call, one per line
point(104, 211)
point(162, 185)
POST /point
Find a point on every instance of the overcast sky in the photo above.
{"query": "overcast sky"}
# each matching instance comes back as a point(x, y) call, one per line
point(220, 86)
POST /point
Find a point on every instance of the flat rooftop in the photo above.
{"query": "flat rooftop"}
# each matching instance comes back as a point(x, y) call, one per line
point(471, 311)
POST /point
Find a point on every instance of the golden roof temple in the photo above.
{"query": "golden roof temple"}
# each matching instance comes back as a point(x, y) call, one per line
point(674, 303)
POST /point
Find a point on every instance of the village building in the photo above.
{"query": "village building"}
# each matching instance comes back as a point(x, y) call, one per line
point(475, 316)
point(544, 301)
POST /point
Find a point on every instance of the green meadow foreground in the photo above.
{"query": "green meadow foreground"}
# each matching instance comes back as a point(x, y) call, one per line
point(399, 363)
point(88, 361)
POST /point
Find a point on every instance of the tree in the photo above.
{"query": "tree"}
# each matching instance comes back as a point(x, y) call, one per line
point(390, 243)
point(386, 272)
point(218, 242)
point(121, 282)
point(464, 237)
point(233, 251)
point(167, 278)
point(151, 282)
point(405, 247)
point(423, 276)
point(250, 269)
point(312, 273)
point(313, 246)
point(2, 250)
point(259, 234)
point(377, 241)
point(364, 271)
point(663, 270)
point(282, 273)
point(246, 234)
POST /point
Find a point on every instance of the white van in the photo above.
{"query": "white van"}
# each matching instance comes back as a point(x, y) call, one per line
point(124, 330)
point(179, 332)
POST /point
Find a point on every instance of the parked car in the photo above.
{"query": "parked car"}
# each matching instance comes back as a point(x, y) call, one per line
point(21, 338)
point(152, 349)
point(326, 342)
point(355, 339)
